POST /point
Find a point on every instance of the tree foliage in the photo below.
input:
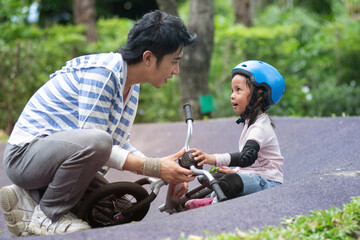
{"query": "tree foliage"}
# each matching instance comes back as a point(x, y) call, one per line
point(316, 56)
point(317, 52)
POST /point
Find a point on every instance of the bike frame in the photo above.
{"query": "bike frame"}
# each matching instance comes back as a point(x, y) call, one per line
point(107, 195)
point(172, 201)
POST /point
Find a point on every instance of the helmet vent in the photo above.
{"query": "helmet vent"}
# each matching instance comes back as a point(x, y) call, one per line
point(244, 65)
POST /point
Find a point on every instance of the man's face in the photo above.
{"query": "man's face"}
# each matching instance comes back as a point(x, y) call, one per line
point(163, 71)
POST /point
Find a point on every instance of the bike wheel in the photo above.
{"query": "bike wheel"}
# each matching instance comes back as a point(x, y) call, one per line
point(111, 204)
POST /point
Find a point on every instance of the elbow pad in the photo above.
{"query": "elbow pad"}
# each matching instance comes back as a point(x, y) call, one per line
point(247, 156)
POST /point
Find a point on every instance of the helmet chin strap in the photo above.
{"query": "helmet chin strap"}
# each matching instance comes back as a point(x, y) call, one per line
point(255, 96)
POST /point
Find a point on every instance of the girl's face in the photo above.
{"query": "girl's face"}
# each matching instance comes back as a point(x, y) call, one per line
point(240, 94)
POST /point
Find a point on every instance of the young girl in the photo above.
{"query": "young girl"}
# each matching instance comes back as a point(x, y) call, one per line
point(256, 86)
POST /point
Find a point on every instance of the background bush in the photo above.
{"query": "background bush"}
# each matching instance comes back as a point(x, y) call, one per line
point(319, 59)
point(28, 55)
point(318, 55)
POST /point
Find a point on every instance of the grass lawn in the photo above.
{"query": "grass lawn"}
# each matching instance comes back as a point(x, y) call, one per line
point(333, 223)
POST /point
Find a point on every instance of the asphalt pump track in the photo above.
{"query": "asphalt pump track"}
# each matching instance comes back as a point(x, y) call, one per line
point(321, 170)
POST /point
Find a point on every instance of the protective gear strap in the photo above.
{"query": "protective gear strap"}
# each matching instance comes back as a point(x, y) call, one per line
point(232, 185)
point(247, 156)
point(151, 167)
point(255, 96)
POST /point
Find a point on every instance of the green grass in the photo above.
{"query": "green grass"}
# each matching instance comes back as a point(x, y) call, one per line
point(333, 223)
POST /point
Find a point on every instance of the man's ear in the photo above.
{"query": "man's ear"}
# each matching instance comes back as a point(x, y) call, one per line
point(148, 57)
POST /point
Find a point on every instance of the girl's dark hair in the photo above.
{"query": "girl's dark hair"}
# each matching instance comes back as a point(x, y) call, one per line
point(158, 32)
point(258, 106)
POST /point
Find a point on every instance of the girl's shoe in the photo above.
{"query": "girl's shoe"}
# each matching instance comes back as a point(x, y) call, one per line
point(196, 203)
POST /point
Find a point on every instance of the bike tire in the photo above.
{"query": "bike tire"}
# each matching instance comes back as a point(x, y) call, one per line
point(104, 206)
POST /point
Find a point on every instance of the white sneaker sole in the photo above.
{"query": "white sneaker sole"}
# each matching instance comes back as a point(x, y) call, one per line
point(41, 225)
point(35, 229)
point(17, 220)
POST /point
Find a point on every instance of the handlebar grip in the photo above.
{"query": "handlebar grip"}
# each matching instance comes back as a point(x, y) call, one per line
point(219, 193)
point(187, 160)
point(187, 110)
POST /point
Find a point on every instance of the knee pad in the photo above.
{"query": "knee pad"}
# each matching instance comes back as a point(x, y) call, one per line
point(231, 184)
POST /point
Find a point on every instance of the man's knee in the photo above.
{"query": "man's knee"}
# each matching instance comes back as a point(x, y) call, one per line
point(232, 185)
point(100, 141)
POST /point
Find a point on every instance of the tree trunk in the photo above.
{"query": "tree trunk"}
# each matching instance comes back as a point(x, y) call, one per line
point(85, 13)
point(243, 13)
point(168, 6)
point(194, 74)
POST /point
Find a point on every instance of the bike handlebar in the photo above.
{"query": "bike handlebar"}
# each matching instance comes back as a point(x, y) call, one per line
point(213, 182)
point(189, 120)
point(187, 110)
point(219, 193)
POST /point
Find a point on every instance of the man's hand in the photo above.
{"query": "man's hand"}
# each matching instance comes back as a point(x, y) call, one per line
point(171, 172)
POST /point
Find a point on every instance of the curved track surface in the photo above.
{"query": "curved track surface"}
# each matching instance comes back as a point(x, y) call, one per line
point(322, 169)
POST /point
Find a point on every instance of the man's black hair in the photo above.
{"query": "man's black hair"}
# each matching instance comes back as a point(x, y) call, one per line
point(158, 32)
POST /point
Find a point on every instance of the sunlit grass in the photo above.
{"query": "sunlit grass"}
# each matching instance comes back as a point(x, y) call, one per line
point(333, 223)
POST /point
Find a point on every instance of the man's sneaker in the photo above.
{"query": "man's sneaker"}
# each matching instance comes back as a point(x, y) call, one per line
point(196, 203)
point(41, 225)
point(18, 207)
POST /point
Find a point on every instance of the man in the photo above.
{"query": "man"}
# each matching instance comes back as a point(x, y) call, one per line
point(80, 120)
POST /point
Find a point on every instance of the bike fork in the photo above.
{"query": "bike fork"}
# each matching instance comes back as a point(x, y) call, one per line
point(171, 199)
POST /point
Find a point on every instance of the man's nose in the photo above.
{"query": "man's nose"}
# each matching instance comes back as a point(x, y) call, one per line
point(176, 70)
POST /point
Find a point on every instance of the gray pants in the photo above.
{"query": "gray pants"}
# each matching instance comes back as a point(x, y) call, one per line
point(62, 164)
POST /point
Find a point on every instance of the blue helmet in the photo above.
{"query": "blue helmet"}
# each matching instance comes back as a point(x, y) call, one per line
point(263, 75)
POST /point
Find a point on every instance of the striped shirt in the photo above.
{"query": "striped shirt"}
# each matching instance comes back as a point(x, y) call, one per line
point(86, 93)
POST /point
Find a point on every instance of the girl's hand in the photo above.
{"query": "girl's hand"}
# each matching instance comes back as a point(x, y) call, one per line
point(226, 170)
point(203, 157)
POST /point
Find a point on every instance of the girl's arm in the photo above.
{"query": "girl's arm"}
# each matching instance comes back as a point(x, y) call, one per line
point(226, 170)
point(247, 156)
point(203, 157)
